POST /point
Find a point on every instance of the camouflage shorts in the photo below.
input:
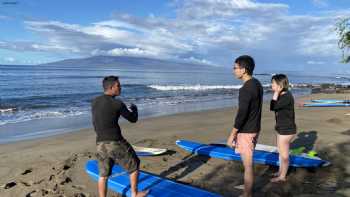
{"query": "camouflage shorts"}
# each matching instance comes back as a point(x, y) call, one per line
point(116, 152)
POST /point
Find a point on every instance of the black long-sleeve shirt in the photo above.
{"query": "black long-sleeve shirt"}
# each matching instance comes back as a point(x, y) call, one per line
point(248, 118)
point(106, 111)
point(284, 112)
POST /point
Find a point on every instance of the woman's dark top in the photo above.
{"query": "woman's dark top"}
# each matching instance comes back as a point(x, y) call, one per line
point(284, 113)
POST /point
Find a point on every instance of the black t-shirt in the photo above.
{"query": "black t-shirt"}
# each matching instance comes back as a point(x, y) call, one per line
point(106, 111)
point(248, 118)
point(284, 112)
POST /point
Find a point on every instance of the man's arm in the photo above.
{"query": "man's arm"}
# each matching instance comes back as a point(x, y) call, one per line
point(131, 116)
point(231, 140)
point(243, 109)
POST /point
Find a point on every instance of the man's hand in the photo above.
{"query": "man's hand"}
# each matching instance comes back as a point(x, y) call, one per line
point(277, 93)
point(231, 140)
point(133, 107)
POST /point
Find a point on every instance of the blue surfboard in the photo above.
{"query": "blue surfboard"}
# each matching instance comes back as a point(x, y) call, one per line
point(327, 105)
point(260, 157)
point(119, 182)
point(329, 101)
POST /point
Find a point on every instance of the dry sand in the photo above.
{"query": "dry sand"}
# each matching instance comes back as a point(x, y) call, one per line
point(54, 166)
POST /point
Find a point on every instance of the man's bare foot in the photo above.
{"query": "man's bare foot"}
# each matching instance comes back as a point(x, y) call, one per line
point(140, 194)
point(276, 174)
point(278, 179)
point(246, 195)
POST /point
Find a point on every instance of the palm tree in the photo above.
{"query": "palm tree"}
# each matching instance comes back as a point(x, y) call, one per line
point(343, 30)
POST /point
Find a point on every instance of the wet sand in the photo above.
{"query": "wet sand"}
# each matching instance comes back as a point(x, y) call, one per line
point(54, 166)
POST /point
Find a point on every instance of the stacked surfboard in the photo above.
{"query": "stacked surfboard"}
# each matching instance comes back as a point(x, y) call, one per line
point(328, 103)
point(262, 155)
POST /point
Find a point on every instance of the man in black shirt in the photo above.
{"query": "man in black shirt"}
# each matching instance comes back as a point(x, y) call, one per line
point(246, 128)
point(111, 146)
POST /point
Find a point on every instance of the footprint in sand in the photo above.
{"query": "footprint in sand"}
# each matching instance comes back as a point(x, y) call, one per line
point(30, 193)
point(146, 142)
point(38, 182)
point(52, 176)
point(25, 184)
point(78, 187)
point(9, 185)
point(44, 192)
point(65, 181)
point(334, 120)
point(79, 195)
point(66, 167)
point(27, 171)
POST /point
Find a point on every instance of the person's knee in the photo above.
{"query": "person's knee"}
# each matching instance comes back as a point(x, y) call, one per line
point(103, 178)
point(285, 157)
point(248, 165)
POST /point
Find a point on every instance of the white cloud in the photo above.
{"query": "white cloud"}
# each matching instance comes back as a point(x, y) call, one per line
point(312, 62)
point(198, 61)
point(320, 3)
point(3, 17)
point(203, 31)
point(137, 52)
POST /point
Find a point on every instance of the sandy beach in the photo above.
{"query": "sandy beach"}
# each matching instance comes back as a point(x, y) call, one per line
point(54, 166)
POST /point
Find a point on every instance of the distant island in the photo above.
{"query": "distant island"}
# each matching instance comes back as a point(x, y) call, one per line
point(127, 62)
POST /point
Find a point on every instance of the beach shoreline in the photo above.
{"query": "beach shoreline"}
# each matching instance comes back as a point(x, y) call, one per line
point(54, 166)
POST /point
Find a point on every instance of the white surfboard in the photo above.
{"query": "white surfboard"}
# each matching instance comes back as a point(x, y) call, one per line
point(146, 151)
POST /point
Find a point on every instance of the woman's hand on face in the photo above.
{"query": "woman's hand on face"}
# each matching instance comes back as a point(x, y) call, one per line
point(278, 89)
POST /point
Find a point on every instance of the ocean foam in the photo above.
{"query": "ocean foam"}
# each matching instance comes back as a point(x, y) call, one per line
point(193, 87)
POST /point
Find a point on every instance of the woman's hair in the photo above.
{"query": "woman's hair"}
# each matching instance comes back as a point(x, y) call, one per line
point(281, 80)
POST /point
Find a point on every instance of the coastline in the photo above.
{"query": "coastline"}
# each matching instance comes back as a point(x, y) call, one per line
point(54, 165)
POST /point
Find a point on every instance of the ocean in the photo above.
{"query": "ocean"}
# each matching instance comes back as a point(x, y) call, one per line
point(38, 101)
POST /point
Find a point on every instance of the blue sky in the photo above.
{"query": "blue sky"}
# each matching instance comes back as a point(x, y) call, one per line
point(280, 35)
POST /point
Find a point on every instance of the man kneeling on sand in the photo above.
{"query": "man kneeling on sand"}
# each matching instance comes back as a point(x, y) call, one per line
point(111, 145)
point(245, 132)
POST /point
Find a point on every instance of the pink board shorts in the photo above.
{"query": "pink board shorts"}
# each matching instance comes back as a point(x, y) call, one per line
point(246, 142)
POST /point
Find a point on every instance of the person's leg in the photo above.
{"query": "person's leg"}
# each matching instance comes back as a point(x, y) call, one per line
point(102, 186)
point(245, 147)
point(276, 174)
point(279, 147)
point(128, 159)
point(247, 160)
point(283, 143)
point(134, 181)
point(105, 164)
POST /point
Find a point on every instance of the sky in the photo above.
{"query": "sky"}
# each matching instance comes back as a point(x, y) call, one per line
point(291, 35)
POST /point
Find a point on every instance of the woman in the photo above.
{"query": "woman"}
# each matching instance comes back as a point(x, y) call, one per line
point(282, 104)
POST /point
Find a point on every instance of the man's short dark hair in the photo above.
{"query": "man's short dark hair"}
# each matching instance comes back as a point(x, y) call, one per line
point(109, 81)
point(247, 62)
